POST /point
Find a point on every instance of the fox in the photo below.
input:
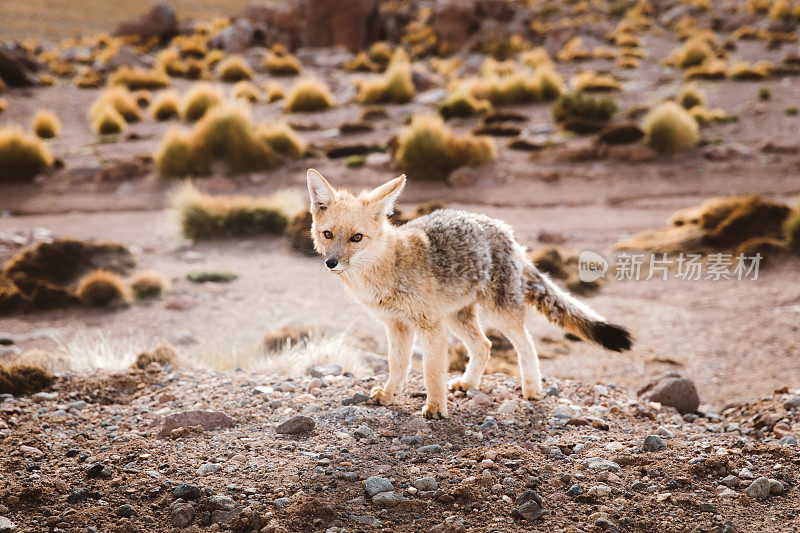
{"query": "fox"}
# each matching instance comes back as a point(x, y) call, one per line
point(451, 270)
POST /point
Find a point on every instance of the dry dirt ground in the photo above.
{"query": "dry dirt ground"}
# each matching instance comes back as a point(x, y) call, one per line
point(738, 340)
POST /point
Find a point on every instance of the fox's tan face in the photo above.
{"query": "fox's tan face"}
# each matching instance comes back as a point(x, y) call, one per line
point(348, 230)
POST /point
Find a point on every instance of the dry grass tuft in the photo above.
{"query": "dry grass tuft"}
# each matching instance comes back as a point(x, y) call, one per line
point(669, 128)
point(536, 57)
point(589, 111)
point(248, 91)
point(283, 139)
point(46, 124)
point(710, 69)
point(395, 85)
point(299, 232)
point(273, 92)
point(138, 78)
point(309, 95)
point(360, 63)
point(22, 156)
point(142, 97)
point(282, 63)
point(199, 100)
point(22, 380)
point(429, 150)
point(108, 121)
point(519, 87)
point(166, 106)
point(691, 96)
point(460, 103)
point(234, 68)
point(705, 116)
point(3, 104)
point(693, 53)
point(100, 288)
point(89, 79)
point(203, 216)
point(742, 71)
point(120, 99)
point(163, 354)
point(791, 229)
point(592, 81)
point(148, 284)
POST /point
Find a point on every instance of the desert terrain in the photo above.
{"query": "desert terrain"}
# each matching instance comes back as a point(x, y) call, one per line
point(249, 409)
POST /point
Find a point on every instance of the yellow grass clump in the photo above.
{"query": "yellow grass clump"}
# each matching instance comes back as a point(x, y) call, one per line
point(203, 216)
point(282, 64)
point(138, 78)
point(22, 379)
point(429, 150)
point(705, 116)
point(121, 100)
point(214, 57)
point(22, 156)
point(46, 124)
point(166, 106)
point(148, 284)
point(711, 69)
point(224, 134)
point(234, 68)
point(142, 97)
point(522, 86)
point(3, 104)
point(273, 92)
point(283, 139)
point(742, 71)
point(791, 229)
point(309, 95)
point(199, 100)
point(89, 79)
point(100, 288)
point(590, 80)
point(693, 53)
point(381, 53)
point(669, 128)
point(360, 63)
point(536, 57)
point(460, 103)
point(107, 121)
point(691, 96)
point(574, 50)
point(395, 85)
point(248, 91)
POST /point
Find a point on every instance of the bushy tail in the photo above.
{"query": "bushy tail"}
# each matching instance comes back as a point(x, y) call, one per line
point(562, 309)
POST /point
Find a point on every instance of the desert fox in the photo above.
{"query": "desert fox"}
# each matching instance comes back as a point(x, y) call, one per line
point(439, 272)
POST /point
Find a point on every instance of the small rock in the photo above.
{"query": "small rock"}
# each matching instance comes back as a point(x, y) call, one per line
point(280, 503)
point(552, 391)
point(357, 398)
point(6, 525)
point(788, 440)
point(600, 490)
point(209, 468)
point(320, 371)
point(376, 484)
point(426, 484)
point(730, 481)
point(363, 432)
point(219, 502)
point(508, 407)
point(598, 463)
point(187, 492)
point(575, 490)
point(95, 471)
point(665, 433)
point(125, 511)
point(792, 403)
point(673, 390)
point(529, 511)
point(528, 496)
point(759, 489)
point(181, 514)
point(386, 499)
point(745, 473)
point(430, 449)
point(775, 487)
point(296, 425)
point(209, 420)
point(653, 443)
point(78, 496)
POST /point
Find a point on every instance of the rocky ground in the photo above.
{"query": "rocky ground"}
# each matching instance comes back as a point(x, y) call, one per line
point(165, 448)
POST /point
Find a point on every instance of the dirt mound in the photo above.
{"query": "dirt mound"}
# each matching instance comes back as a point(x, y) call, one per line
point(719, 224)
point(43, 276)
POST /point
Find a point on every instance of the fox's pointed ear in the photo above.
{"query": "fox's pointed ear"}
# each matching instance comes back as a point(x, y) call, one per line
point(386, 195)
point(321, 193)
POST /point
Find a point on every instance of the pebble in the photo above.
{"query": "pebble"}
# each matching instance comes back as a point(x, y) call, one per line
point(363, 432)
point(375, 485)
point(653, 443)
point(386, 499)
point(355, 399)
point(296, 425)
point(95, 471)
point(529, 511)
point(285, 386)
point(745, 473)
point(6, 525)
point(759, 489)
point(181, 514)
point(563, 411)
point(600, 490)
point(792, 403)
point(598, 463)
point(730, 481)
point(430, 449)
point(508, 407)
point(426, 484)
point(788, 440)
point(320, 371)
point(280, 503)
point(186, 492)
point(726, 492)
point(78, 495)
point(664, 433)
point(552, 390)
point(575, 490)
point(125, 511)
point(209, 468)
point(775, 487)
point(411, 440)
point(220, 502)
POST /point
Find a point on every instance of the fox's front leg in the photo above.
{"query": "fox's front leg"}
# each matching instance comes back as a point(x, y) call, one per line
point(434, 365)
point(401, 342)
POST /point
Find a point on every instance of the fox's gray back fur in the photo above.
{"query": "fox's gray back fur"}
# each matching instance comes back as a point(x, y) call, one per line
point(472, 253)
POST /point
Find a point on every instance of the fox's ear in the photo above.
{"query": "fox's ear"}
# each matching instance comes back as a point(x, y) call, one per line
point(321, 193)
point(386, 195)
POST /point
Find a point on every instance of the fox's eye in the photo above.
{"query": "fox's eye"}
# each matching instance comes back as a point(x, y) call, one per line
point(357, 237)
point(327, 234)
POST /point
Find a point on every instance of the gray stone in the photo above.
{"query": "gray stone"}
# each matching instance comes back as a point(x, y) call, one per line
point(529, 511)
point(363, 432)
point(209, 468)
point(6, 525)
point(664, 433)
point(426, 484)
point(209, 420)
point(430, 448)
point(563, 411)
point(411, 440)
point(788, 440)
point(775, 487)
point(125, 511)
point(673, 390)
point(653, 443)
point(386, 499)
point(730, 481)
point(552, 390)
point(598, 463)
point(759, 489)
point(220, 502)
point(187, 492)
point(376, 484)
point(355, 399)
point(181, 514)
point(528, 496)
point(280, 503)
point(792, 403)
point(320, 371)
point(296, 425)
point(285, 386)
point(575, 490)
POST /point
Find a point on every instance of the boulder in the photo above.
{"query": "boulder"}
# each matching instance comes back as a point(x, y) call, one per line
point(672, 390)
point(453, 23)
point(346, 23)
point(16, 68)
point(159, 22)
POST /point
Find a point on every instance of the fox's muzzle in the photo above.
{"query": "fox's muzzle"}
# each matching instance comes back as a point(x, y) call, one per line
point(331, 262)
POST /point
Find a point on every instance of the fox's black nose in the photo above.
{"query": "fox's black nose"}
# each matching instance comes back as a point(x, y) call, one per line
point(331, 262)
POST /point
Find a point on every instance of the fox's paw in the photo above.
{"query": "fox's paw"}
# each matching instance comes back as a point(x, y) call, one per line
point(434, 411)
point(379, 395)
point(461, 384)
point(532, 391)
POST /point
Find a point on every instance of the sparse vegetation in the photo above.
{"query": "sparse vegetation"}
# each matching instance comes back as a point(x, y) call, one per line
point(429, 150)
point(309, 95)
point(101, 288)
point(46, 124)
point(273, 92)
point(3, 104)
point(248, 91)
point(578, 105)
point(163, 354)
point(199, 100)
point(233, 69)
point(791, 229)
point(138, 78)
point(282, 63)
point(791, 111)
point(108, 121)
point(166, 106)
point(360, 63)
point(142, 97)
point(519, 87)
point(211, 276)
point(460, 103)
point(395, 85)
point(121, 100)
point(203, 216)
point(694, 52)
point(283, 139)
point(590, 81)
point(89, 79)
point(669, 128)
point(710, 69)
point(22, 156)
point(742, 71)
point(691, 96)
point(764, 94)
point(148, 284)
point(22, 379)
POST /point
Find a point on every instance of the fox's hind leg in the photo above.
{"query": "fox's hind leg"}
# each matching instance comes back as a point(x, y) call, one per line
point(514, 328)
point(464, 325)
